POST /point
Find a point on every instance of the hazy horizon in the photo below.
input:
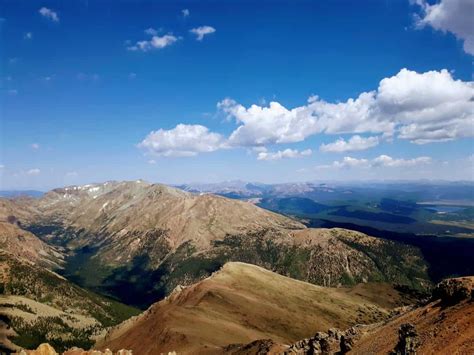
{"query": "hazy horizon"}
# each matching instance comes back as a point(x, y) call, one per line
point(334, 182)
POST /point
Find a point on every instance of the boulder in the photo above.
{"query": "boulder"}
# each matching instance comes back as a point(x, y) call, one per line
point(452, 291)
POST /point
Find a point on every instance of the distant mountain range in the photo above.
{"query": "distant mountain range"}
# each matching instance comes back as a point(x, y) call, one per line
point(18, 193)
point(324, 191)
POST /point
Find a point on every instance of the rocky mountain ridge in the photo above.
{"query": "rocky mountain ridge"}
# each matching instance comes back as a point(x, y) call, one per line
point(134, 238)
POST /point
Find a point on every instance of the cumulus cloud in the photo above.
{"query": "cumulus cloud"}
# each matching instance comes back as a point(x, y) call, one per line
point(422, 108)
point(202, 31)
point(33, 172)
point(455, 16)
point(380, 161)
point(349, 162)
point(267, 125)
point(385, 160)
point(355, 143)
point(185, 12)
point(35, 146)
point(182, 141)
point(282, 154)
point(49, 14)
point(419, 107)
point(28, 35)
point(156, 42)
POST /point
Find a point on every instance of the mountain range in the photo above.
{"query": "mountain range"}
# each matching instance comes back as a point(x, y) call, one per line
point(81, 259)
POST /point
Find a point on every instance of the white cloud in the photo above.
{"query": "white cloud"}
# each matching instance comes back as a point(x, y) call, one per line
point(152, 161)
point(380, 161)
point(33, 172)
point(181, 141)
point(132, 76)
point(185, 12)
point(49, 14)
point(28, 35)
point(355, 143)
point(455, 16)
point(151, 31)
point(385, 160)
point(422, 108)
point(72, 174)
point(156, 42)
point(202, 31)
point(267, 125)
point(35, 146)
point(349, 162)
point(281, 154)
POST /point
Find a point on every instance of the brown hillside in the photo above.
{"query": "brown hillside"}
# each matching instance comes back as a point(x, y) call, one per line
point(239, 304)
point(25, 245)
point(445, 326)
point(129, 218)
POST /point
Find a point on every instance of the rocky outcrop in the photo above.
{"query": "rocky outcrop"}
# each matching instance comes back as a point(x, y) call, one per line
point(257, 347)
point(408, 340)
point(334, 341)
point(46, 349)
point(43, 349)
point(452, 291)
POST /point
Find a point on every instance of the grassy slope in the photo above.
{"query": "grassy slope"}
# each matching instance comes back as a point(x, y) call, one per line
point(322, 257)
point(239, 304)
point(21, 278)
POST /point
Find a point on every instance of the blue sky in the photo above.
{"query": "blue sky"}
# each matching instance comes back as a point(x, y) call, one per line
point(85, 84)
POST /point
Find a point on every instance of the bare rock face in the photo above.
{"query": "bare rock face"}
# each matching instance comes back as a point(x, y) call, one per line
point(452, 291)
point(43, 349)
point(334, 341)
point(46, 349)
point(408, 340)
